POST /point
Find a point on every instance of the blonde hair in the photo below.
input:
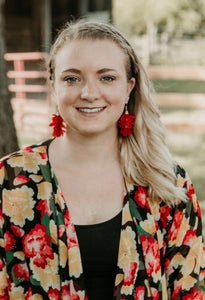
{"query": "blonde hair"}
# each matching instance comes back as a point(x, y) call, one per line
point(145, 158)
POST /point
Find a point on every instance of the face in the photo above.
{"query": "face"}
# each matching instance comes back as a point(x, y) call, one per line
point(91, 86)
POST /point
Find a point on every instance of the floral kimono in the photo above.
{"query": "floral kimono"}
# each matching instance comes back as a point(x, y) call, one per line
point(161, 252)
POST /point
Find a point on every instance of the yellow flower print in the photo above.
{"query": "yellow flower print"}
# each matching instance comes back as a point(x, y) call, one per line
point(63, 253)
point(194, 261)
point(164, 285)
point(16, 293)
point(49, 275)
point(74, 259)
point(29, 161)
point(2, 173)
point(195, 203)
point(53, 232)
point(126, 217)
point(20, 255)
point(180, 181)
point(44, 190)
point(36, 178)
point(18, 204)
point(149, 224)
point(178, 230)
point(127, 248)
point(128, 259)
point(118, 279)
point(2, 243)
point(36, 297)
point(80, 295)
point(154, 207)
point(60, 200)
point(3, 279)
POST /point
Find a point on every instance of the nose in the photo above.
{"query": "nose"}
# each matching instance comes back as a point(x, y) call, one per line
point(89, 92)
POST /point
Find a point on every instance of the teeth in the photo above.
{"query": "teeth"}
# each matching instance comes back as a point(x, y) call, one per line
point(90, 110)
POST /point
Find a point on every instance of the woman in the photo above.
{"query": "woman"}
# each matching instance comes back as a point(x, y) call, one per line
point(101, 211)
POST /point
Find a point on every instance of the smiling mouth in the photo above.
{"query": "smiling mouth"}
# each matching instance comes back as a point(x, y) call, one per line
point(90, 110)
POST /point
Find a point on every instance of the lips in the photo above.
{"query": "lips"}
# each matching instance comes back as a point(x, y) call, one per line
point(90, 110)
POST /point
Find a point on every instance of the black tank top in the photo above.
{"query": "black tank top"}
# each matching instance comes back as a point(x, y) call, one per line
point(99, 244)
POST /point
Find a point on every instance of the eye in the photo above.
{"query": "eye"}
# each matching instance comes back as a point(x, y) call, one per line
point(108, 78)
point(71, 79)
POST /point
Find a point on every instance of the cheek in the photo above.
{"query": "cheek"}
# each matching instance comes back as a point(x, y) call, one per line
point(119, 98)
point(65, 97)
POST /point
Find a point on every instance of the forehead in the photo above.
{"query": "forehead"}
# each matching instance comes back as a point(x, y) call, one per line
point(90, 52)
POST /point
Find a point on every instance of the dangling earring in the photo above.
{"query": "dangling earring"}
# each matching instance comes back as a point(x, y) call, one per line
point(126, 123)
point(58, 125)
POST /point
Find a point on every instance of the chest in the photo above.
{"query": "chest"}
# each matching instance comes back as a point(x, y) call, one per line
point(92, 196)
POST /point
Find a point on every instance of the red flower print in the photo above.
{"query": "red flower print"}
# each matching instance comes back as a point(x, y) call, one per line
point(21, 271)
point(65, 290)
point(141, 197)
point(27, 149)
point(198, 209)
point(130, 279)
point(43, 155)
point(176, 292)
point(155, 294)
point(1, 264)
point(139, 293)
point(9, 284)
point(20, 179)
point(70, 229)
point(164, 246)
point(173, 232)
point(152, 257)
point(9, 241)
point(36, 245)
point(43, 207)
point(74, 297)
point(29, 294)
point(188, 239)
point(191, 191)
point(164, 214)
point(17, 231)
point(1, 218)
point(54, 294)
point(61, 230)
point(126, 123)
point(167, 264)
point(196, 295)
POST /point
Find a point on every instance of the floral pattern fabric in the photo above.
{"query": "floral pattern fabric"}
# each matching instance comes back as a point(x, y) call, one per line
point(161, 250)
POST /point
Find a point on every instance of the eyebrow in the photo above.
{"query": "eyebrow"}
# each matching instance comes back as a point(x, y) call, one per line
point(77, 71)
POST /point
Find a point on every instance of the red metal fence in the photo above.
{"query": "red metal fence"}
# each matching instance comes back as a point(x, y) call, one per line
point(26, 109)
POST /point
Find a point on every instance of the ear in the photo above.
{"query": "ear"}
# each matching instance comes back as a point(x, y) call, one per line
point(130, 87)
point(52, 91)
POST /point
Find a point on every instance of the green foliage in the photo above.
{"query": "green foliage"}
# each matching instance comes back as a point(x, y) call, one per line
point(177, 17)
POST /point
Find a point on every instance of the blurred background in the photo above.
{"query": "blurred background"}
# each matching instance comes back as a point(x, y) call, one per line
point(168, 36)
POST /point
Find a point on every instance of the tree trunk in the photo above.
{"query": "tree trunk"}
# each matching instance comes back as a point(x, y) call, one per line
point(46, 23)
point(8, 138)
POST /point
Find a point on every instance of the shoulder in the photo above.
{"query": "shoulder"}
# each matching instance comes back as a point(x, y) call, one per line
point(26, 160)
point(27, 153)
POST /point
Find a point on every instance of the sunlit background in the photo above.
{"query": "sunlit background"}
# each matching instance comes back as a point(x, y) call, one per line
point(169, 37)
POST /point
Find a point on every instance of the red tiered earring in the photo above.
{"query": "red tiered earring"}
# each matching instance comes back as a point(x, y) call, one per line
point(58, 125)
point(126, 123)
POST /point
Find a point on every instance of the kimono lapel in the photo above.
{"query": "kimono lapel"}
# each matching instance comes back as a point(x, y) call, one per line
point(138, 210)
point(128, 256)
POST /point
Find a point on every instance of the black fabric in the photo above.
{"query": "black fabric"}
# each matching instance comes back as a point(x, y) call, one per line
point(99, 244)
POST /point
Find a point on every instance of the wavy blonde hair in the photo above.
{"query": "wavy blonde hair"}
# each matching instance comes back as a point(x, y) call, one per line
point(145, 158)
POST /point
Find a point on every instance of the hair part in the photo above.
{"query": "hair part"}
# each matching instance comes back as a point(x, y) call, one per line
point(145, 158)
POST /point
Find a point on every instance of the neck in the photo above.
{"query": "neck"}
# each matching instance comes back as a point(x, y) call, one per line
point(92, 151)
